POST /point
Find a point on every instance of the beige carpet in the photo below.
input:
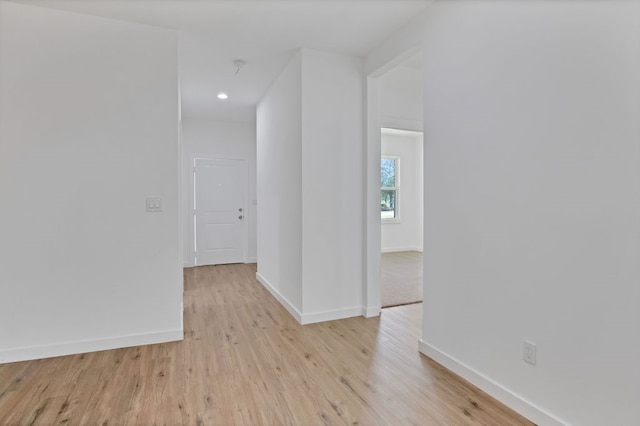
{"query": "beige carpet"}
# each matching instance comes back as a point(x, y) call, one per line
point(401, 278)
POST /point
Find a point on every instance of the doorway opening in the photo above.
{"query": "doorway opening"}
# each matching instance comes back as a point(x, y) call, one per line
point(394, 213)
point(401, 205)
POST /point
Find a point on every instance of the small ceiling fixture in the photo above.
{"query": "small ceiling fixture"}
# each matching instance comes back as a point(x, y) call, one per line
point(222, 95)
point(239, 63)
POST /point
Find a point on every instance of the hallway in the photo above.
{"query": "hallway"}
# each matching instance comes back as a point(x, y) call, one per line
point(245, 360)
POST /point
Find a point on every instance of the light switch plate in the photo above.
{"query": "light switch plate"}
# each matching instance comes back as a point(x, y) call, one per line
point(154, 204)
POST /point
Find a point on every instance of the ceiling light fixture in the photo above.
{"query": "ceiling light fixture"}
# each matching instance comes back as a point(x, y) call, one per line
point(222, 95)
point(239, 63)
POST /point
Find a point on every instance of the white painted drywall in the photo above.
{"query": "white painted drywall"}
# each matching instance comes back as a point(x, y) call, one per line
point(532, 201)
point(205, 138)
point(88, 130)
point(310, 180)
point(397, 48)
point(279, 187)
point(332, 184)
point(400, 98)
point(405, 233)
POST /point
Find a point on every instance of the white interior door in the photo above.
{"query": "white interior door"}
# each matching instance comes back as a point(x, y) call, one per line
point(219, 211)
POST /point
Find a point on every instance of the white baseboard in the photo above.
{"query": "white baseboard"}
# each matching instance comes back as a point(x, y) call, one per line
point(186, 264)
point(499, 392)
point(397, 249)
point(331, 315)
point(371, 311)
point(252, 260)
point(312, 317)
point(280, 298)
point(84, 346)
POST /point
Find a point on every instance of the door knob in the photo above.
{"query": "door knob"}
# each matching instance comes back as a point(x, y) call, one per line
point(240, 209)
point(240, 217)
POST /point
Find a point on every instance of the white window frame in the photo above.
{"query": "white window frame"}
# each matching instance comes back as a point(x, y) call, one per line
point(396, 188)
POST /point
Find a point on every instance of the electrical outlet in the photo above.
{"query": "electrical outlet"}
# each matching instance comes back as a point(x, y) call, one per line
point(154, 204)
point(529, 352)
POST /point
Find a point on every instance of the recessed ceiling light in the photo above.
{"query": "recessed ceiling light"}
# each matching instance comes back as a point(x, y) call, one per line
point(222, 95)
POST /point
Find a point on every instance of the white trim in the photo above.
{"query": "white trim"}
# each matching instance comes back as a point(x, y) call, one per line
point(392, 221)
point(332, 315)
point(371, 311)
point(252, 260)
point(186, 264)
point(312, 317)
point(180, 190)
point(280, 298)
point(397, 249)
point(496, 390)
point(400, 123)
point(372, 289)
point(83, 346)
point(190, 213)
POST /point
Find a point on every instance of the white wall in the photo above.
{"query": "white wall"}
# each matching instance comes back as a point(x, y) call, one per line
point(400, 98)
point(310, 179)
point(279, 171)
point(332, 185)
point(89, 128)
point(204, 138)
point(532, 181)
point(406, 233)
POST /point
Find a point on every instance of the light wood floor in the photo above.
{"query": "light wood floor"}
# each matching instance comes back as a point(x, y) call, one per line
point(401, 278)
point(244, 360)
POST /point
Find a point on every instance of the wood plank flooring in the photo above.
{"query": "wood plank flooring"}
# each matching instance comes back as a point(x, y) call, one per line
point(245, 361)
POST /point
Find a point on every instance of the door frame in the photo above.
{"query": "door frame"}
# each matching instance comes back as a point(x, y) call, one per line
point(191, 211)
point(372, 292)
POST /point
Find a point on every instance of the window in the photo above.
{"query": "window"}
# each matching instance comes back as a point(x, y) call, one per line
point(389, 188)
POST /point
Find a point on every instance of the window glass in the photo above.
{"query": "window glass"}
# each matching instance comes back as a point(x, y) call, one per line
point(388, 188)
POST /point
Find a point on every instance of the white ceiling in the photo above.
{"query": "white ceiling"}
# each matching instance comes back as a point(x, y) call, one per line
point(265, 33)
